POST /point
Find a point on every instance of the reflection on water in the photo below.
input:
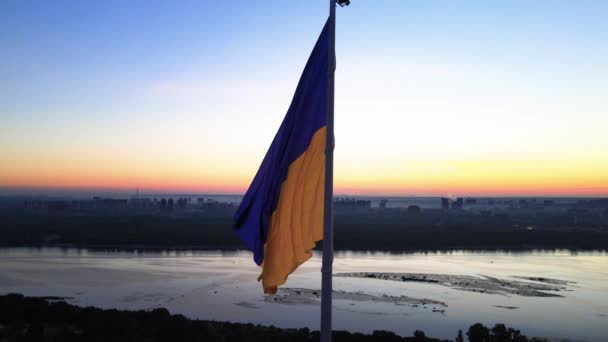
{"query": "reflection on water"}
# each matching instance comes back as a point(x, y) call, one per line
point(221, 285)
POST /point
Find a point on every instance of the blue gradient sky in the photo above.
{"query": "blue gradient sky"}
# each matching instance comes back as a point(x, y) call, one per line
point(433, 97)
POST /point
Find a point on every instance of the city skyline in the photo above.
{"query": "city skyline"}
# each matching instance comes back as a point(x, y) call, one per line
point(432, 99)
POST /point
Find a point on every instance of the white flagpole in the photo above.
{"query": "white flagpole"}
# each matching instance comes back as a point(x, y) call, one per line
point(328, 214)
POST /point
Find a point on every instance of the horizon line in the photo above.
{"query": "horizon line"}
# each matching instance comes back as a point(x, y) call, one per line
point(47, 191)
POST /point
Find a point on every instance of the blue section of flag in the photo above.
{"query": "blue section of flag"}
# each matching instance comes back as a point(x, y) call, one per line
point(306, 114)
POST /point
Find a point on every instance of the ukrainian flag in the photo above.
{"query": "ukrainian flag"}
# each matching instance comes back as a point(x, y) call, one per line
point(281, 216)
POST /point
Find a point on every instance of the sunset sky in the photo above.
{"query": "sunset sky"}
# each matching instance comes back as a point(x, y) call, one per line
point(470, 98)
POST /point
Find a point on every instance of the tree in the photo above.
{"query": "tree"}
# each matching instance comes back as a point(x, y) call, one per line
point(419, 336)
point(499, 333)
point(516, 336)
point(478, 333)
point(459, 337)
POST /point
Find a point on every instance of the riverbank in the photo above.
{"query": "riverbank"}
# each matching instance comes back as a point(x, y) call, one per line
point(357, 232)
point(52, 319)
point(153, 248)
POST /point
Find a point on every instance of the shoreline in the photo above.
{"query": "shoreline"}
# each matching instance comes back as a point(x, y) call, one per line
point(230, 248)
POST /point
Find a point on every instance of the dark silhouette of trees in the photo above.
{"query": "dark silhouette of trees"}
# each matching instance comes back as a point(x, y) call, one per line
point(499, 333)
point(478, 333)
point(51, 319)
point(459, 337)
point(37, 319)
point(419, 336)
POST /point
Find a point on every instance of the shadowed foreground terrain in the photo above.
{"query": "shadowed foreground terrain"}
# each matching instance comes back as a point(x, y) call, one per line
point(51, 319)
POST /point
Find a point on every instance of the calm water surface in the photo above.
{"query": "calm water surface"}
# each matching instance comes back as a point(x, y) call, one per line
point(222, 286)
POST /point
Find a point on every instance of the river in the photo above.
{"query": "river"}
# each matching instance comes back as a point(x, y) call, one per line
point(221, 285)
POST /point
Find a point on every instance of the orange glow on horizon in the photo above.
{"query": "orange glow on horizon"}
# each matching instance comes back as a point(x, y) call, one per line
point(572, 177)
point(365, 189)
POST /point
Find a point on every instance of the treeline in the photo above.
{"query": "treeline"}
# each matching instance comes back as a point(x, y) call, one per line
point(208, 230)
point(361, 232)
point(204, 230)
point(47, 319)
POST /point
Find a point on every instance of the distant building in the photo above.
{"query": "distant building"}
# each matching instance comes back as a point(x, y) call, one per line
point(445, 203)
point(57, 205)
point(182, 202)
point(414, 209)
point(485, 213)
point(595, 203)
point(109, 202)
point(351, 204)
point(458, 203)
point(383, 203)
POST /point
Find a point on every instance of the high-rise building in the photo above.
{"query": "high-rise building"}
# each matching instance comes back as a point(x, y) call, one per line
point(445, 203)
